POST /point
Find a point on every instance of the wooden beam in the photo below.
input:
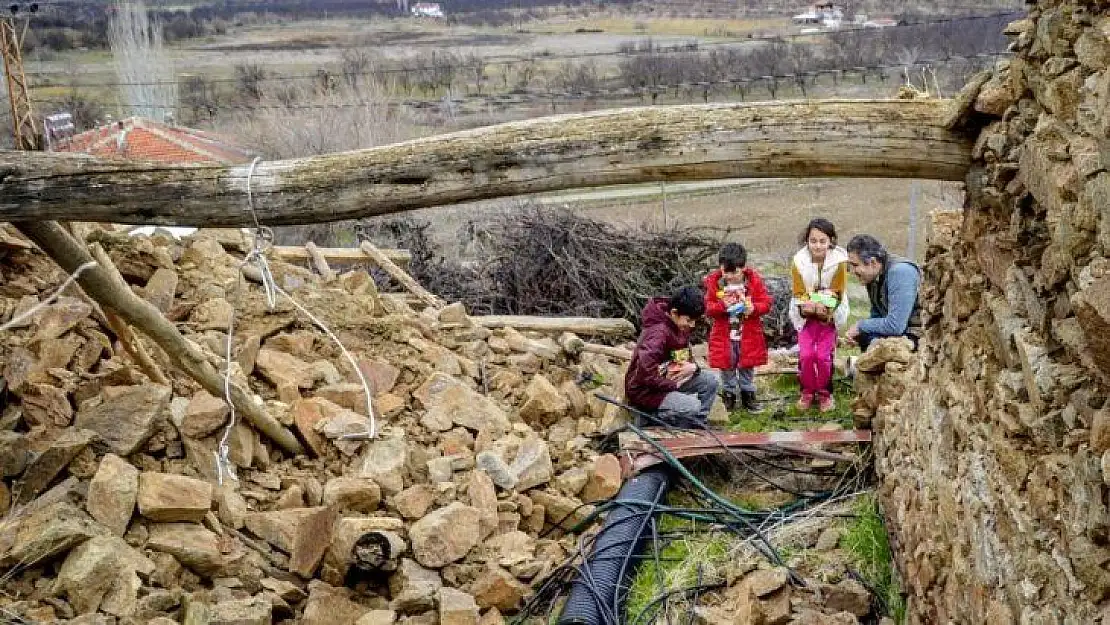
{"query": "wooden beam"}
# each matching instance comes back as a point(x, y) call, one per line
point(404, 279)
point(557, 325)
point(859, 138)
point(343, 255)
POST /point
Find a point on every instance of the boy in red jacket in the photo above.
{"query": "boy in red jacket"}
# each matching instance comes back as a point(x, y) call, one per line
point(735, 301)
point(663, 378)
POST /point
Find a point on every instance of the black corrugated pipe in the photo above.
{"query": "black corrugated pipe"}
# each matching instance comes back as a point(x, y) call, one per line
point(596, 597)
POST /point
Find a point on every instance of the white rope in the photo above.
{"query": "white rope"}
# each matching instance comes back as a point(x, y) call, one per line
point(18, 319)
point(262, 240)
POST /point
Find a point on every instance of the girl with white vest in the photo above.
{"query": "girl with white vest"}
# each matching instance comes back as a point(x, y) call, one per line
point(819, 273)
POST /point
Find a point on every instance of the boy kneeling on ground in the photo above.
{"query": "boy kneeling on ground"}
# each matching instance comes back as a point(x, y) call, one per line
point(663, 378)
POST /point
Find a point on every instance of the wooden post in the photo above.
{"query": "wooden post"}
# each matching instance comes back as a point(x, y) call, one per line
point(398, 274)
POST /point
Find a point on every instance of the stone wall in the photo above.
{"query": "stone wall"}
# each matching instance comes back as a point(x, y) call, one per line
point(996, 459)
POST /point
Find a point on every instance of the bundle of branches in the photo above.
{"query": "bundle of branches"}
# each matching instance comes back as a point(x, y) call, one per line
point(535, 260)
point(551, 261)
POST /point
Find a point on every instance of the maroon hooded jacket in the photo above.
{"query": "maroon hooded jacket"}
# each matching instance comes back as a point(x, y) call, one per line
point(660, 341)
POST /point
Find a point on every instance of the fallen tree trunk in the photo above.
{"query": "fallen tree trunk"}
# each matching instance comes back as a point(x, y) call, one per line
point(557, 325)
point(398, 274)
point(885, 138)
point(101, 285)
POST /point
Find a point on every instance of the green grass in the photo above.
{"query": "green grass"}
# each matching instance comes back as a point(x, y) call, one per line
point(678, 566)
point(866, 540)
point(780, 411)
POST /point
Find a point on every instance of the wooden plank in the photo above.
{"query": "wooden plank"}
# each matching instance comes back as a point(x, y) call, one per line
point(557, 325)
point(341, 255)
point(810, 138)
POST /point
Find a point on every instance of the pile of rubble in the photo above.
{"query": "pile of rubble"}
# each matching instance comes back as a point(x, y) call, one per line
point(114, 506)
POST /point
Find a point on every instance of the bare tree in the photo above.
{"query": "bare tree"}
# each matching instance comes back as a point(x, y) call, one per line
point(148, 86)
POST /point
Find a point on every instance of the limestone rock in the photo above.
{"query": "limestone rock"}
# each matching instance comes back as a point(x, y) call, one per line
point(250, 611)
point(447, 401)
point(348, 395)
point(605, 479)
point(88, 572)
point(161, 288)
point(572, 481)
point(60, 317)
point(44, 533)
point(380, 375)
point(308, 414)
point(384, 462)
point(204, 415)
point(497, 469)
point(483, 498)
point(281, 369)
point(532, 465)
point(14, 453)
point(213, 314)
point(128, 417)
point(765, 581)
point(457, 607)
point(413, 587)
point(192, 545)
point(328, 605)
point(303, 533)
point(497, 588)
point(164, 497)
point(414, 501)
point(47, 464)
point(378, 617)
point(848, 596)
point(445, 535)
point(113, 493)
point(357, 494)
point(543, 404)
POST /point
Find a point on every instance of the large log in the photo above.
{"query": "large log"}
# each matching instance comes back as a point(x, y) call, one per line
point(885, 138)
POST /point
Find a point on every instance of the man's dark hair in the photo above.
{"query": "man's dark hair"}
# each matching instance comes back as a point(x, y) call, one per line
point(688, 301)
point(732, 256)
point(822, 225)
point(867, 247)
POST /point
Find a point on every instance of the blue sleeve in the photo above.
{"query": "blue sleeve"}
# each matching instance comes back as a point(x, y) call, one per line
point(901, 285)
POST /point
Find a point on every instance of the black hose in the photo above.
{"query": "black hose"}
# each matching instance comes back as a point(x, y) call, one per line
point(595, 596)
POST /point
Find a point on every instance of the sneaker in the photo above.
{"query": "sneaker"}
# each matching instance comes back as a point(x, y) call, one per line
point(806, 401)
point(729, 400)
point(827, 403)
point(751, 404)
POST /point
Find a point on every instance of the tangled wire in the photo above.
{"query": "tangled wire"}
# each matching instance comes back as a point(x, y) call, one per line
point(552, 261)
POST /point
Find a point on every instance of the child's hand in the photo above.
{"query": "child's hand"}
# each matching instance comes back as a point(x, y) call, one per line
point(749, 308)
point(809, 308)
point(821, 310)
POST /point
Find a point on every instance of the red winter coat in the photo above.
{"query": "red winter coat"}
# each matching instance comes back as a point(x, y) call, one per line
point(753, 346)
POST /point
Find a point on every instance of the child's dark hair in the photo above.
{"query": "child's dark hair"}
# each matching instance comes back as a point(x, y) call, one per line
point(822, 225)
point(688, 301)
point(732, 256)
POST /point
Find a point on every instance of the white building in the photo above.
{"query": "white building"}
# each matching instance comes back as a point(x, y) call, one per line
point(427, 9)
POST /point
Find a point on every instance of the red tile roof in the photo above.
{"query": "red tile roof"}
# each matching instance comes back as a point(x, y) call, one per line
point(141, 139)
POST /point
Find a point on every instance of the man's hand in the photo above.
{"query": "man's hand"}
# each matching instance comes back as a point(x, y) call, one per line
point(853, 332)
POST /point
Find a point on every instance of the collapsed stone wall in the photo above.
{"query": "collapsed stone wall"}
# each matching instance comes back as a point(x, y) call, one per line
point(111, 508)
point(995, 460)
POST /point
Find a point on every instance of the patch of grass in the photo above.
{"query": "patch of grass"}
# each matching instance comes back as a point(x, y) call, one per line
point(678, 565)
point(780, 411)
point(866, 540)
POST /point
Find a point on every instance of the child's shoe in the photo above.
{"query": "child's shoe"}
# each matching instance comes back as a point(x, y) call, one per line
point(806, 401)
point(827, 403)
point(751, 404)
point(729, 400)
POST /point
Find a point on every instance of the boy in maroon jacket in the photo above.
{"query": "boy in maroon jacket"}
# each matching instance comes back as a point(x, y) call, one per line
point(663, 377)
point(736, 348)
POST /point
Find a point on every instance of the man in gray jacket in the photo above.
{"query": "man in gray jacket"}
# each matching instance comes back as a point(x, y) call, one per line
point(892, 284)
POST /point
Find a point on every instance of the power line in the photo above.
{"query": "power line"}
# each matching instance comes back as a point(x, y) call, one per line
point(577, 95)
point(513, 60)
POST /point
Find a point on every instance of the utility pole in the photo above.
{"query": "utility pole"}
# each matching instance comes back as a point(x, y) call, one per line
point(11, 45)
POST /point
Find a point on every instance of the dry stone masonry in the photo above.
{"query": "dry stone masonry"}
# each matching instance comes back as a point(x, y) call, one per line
point(996, 460)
